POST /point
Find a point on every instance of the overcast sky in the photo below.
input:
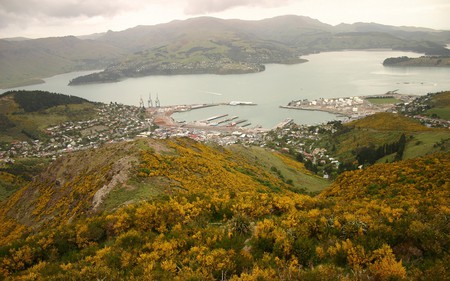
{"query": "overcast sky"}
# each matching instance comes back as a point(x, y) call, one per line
point(45, 18)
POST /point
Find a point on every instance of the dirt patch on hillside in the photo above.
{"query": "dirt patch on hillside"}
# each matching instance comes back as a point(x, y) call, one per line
point(119, 176)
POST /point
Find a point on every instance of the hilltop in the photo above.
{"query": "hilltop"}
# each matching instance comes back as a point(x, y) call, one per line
point(178, 209)
point(201, 45)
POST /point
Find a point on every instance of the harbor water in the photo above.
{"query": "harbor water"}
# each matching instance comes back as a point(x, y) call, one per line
point(325, 75)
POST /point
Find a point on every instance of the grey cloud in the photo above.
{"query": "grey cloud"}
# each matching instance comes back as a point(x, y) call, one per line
point(21, 14)
point(196, 7)
point(62, 8)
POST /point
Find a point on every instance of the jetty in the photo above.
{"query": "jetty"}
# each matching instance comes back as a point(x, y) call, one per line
point(285, 122)
point(232, 124)
point(216, 117)
point(241, 103)
point(228, 119)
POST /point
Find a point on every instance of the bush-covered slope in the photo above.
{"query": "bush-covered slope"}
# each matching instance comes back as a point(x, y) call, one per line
point(216, 217)
point(114, 175)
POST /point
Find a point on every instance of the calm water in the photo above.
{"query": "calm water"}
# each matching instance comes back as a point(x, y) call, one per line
point(333, 74)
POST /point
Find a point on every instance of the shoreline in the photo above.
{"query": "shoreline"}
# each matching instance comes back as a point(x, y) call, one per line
point(337, 113)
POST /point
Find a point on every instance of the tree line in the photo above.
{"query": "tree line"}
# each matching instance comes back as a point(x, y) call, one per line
point(370, 154)
point(32, 101)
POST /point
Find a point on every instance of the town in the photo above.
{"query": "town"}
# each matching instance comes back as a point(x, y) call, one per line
point(117, 122)
point(354, 107)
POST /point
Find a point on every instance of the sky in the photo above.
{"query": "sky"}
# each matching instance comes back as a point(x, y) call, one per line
point(48, 18)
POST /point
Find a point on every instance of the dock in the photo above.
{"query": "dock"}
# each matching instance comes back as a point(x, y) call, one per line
point(216, 117)
point(232, 124)
point(285, 122)
point(229, 119)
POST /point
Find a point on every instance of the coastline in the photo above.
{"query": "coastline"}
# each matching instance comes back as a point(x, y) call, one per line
point(336, 112)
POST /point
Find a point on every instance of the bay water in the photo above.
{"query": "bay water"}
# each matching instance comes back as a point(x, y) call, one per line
point(325, 75)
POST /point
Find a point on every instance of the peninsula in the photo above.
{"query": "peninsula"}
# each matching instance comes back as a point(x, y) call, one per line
point(426, 61)
point(353, 107)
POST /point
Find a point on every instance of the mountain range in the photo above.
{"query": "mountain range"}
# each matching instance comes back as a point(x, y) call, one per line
point(201, 45)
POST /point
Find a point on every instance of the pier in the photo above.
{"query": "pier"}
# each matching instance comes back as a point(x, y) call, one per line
point(216, 117)
point(229, 119)
point(236, 123)
point(285, 122)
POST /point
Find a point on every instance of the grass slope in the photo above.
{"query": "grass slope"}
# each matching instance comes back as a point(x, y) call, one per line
point(440, 105)
point(284, 167)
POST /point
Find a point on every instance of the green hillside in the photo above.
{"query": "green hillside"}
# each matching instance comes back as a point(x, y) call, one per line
point(201, 45)
point(439, 106)
point(25, 114)
point(376, 132)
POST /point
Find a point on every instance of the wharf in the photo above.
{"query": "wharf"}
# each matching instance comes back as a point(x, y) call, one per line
point(216, 117)
point(285, 122)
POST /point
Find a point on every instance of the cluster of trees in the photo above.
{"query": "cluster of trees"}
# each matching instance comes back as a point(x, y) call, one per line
point(32, 101)
point(387, 222)
point(396, 60)
point(370, 154)
point(5, 123)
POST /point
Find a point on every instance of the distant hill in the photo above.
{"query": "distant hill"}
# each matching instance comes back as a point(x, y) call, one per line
point(26, 62)
point(202, 45)
point(426, 61)
point(15, 39)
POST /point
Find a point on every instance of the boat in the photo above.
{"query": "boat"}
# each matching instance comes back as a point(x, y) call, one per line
point(241, 103)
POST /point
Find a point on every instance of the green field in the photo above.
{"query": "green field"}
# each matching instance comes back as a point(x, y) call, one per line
point(137, 190)
point(439, 112)
point(383, 100)
point(426, 143)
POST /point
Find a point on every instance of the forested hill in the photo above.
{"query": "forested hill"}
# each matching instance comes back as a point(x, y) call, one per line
point(212, 214)
point(24, 115)
point(32, 101)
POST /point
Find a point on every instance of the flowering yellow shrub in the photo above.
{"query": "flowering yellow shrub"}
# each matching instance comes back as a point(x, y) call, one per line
point(228, 220)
